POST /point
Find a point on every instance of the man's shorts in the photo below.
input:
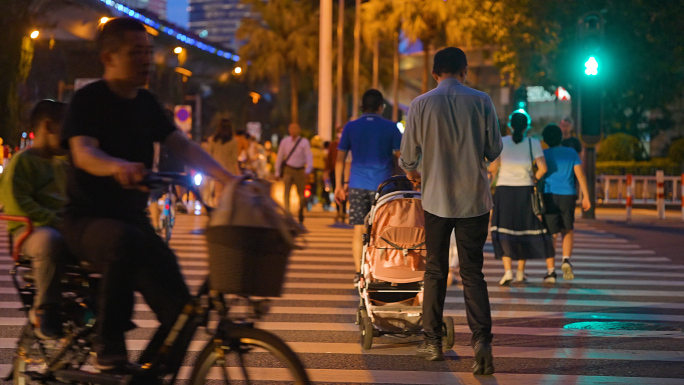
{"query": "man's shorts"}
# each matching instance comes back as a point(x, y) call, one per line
point(560, 212)
point(360, 201)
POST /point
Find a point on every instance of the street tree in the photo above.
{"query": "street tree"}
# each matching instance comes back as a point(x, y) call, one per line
point(426, 21)
point(283, 43)
point(381, 21)
point(18, 19)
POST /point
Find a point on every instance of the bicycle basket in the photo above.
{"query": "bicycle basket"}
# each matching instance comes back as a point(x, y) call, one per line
point(250, 238)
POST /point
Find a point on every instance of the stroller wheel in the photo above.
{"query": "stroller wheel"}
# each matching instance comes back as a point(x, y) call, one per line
point(366, 328)
point(448, 339)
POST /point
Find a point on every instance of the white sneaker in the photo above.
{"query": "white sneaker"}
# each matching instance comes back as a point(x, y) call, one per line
point(567, 270)
point(506, 279)
point(520, 276)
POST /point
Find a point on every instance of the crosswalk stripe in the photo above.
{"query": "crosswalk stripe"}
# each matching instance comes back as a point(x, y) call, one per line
point(349, 271)
point(455, 300)
point(617, 282)
point(407, 377)
point(460, 351)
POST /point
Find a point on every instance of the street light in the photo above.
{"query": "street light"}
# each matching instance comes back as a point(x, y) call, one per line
point(238, 70)
point(104, 20)
point(178, 50)
point(34, 34)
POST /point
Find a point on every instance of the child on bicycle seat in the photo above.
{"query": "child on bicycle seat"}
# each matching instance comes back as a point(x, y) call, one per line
point(110, 130)
point(34, 186)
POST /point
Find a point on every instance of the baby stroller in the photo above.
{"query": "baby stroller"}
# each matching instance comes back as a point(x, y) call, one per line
point(391, 286)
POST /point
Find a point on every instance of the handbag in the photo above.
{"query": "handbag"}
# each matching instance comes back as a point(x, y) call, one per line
point(537, 198)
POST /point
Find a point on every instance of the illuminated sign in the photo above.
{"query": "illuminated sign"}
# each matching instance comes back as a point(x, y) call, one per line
point(539, 94)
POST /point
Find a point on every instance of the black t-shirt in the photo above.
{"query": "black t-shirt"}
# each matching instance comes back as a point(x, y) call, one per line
point(572, 142)
point(124, 128)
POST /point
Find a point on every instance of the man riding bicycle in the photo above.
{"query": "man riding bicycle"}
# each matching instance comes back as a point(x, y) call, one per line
point(110, 130)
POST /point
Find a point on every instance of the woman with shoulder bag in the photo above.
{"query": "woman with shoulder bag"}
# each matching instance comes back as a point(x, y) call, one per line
point(517, 232)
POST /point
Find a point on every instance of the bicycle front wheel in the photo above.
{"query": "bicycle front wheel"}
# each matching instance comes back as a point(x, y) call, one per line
point(248, 356)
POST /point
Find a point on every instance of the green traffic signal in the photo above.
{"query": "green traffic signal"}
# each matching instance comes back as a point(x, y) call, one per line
point(591, 67)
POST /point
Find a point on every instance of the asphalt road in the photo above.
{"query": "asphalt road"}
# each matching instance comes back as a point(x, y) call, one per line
point(620, 321)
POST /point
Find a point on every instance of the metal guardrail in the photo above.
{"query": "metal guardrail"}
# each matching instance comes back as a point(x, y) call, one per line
point(612, 189)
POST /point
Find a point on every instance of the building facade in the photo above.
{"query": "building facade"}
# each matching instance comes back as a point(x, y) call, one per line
point(218, 20)
point(156, 6)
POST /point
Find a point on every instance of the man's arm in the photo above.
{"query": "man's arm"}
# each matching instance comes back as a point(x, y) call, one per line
point(411, 142)
point(411, 146)
point(192, 154)
point(579, 173)
point(279, 159)
point(87, 155)
point(493, 144)
point(340, 176)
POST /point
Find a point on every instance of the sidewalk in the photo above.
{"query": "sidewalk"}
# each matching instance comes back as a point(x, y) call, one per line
point(639, 215)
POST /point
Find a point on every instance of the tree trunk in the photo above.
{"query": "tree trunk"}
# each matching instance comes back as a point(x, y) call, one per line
point(14, 66)
point(376, 63)
point(426, 65)
point(294, 101)
point(340, 66)
point(357, 59)
point(395, 79)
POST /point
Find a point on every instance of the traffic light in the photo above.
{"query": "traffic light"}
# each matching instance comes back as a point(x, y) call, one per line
point(520, 99)
point(590, 79)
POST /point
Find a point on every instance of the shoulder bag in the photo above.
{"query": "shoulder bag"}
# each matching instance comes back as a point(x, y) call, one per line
point(537, 197)
point(282, 164)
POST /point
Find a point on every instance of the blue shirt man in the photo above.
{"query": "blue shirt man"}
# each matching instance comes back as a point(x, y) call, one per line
point(560, 177)
point(373, 142)
point(560, 193)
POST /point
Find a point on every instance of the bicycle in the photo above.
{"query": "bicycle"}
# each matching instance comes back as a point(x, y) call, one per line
point(228, 354)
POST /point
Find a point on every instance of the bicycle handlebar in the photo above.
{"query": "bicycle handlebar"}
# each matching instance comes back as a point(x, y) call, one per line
point(160, 179)
point(29, 229)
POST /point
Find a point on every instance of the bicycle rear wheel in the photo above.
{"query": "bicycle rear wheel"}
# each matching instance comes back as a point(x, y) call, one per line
point(248, 356)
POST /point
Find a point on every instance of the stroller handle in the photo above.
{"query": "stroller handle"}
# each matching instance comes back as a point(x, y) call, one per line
point(399, 179)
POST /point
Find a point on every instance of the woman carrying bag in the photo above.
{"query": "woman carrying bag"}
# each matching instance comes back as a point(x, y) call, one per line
point(517, 232)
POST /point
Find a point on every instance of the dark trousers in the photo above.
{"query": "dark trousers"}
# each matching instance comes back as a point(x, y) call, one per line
point(131, 257)
point(471, 234)
point(296, 177)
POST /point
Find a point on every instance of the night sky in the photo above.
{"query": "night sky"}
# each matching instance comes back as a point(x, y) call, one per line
point(176, 11)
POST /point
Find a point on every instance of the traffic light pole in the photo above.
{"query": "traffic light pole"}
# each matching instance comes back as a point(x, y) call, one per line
point(590, 39)
point(590, 171)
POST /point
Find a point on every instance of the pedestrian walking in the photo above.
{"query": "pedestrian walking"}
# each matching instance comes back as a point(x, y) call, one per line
point(224, 148)
point(294, 163)
point(517, 233)
point(340, 207)
point(373, 141)
point(450, 133)
point(319, 157)
point(560, 192)
point(569, 140)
